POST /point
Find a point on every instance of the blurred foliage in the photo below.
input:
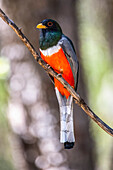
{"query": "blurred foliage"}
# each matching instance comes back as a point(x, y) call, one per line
point(5, 153)
point(95, 53)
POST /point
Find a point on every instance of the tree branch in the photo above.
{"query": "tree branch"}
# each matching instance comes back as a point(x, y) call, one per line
point(78, 100)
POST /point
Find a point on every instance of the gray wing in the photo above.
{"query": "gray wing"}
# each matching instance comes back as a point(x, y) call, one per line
point(68, 48)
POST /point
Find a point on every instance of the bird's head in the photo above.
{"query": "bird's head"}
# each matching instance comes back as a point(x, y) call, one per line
point(49, 25)
point(50, 34)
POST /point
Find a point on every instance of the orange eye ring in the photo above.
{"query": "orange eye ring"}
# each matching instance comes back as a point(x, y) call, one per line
point(49, 23)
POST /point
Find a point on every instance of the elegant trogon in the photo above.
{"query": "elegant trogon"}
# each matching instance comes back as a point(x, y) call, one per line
point(58, 51)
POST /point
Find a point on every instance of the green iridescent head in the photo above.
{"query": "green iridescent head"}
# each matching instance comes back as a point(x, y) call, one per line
point(50, 33)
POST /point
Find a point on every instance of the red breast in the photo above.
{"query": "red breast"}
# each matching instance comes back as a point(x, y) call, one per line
point(60, 64)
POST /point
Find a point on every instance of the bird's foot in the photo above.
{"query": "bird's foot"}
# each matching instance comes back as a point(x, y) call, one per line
point(59, 75)
point(48, 66)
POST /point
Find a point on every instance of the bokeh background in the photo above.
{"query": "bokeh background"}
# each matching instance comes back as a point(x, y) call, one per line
point(29, 113)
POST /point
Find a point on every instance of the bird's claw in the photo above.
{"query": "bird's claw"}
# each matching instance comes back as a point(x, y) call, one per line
point(48, 66)
point(59, 75)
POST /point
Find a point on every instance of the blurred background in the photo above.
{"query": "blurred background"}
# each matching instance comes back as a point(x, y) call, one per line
point(29, 113)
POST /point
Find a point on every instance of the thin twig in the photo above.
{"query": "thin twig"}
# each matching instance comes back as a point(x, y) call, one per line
point(78, 100)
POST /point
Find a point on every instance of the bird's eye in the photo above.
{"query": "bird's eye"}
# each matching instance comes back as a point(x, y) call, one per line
point(50, 24)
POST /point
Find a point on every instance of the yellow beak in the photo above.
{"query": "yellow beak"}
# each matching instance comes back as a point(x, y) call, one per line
point(41, 26)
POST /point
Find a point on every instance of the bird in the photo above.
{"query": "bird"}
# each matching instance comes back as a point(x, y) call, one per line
point(58, 51)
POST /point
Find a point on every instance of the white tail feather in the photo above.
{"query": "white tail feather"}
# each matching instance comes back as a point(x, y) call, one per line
point(66, 118)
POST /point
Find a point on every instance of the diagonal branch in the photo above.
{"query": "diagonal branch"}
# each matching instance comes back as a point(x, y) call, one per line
point(78, 100)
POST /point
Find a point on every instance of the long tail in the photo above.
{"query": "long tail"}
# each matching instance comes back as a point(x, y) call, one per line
point(66, 120)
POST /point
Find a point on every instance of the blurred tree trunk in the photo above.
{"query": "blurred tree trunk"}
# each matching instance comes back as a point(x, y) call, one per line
point(33, 108)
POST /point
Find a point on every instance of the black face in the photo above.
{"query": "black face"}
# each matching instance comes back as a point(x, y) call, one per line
point(51, 25)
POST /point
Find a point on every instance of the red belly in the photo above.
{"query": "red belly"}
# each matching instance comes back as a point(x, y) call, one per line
point(60, 64)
